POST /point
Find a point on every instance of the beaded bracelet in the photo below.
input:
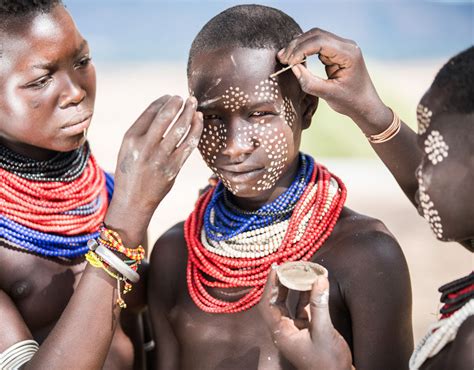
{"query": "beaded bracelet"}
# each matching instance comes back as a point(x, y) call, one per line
point(387, 134)
point(114, 261)
point(112, 240)
point(95, 261)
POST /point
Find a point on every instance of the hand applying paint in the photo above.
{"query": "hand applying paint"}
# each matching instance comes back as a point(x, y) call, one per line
point(348, 88)
point(152, 153)
point(309, 341)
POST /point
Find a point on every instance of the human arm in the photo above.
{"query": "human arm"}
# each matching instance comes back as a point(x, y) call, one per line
point(147, 166)
point(167, 272)
point(349, 90)
point(376, 290)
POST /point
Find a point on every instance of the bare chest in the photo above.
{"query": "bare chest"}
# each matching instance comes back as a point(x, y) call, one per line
point(224, 341)
point(39, 287)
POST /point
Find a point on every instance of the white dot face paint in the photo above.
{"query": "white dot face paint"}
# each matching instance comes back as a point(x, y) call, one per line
point(435, 147)
point(423, 115)
point(427, 206)
point(258, 132)
point(249, 126)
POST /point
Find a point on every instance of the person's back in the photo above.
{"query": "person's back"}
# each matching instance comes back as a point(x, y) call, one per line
point(272, 205)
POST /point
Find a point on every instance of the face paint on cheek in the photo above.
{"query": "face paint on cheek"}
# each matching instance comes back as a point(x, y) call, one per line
point(423, 115)
point(213, 140)
point(436, 148)
point(288, 112)
point(427, 206)
point(274, 143)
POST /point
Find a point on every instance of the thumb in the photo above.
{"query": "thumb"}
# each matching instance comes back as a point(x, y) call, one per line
point(319, 307)
point(311, 83)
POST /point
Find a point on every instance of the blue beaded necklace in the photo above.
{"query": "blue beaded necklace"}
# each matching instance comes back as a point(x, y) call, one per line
point(229, 221)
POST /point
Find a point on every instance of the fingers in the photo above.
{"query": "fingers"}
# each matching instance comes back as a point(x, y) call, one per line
point(163, 119)
point(272, 305)
point(191, 140)
point(142, 124)
point(302, 311)
point(312, 84)
point(180, 128)
point(317, 41)
point(321, 323)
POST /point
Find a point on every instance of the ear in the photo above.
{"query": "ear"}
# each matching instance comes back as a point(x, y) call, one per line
point(309, 105)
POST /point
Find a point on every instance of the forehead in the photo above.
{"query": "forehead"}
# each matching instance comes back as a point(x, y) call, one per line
point(40, 39)
point(214, 72)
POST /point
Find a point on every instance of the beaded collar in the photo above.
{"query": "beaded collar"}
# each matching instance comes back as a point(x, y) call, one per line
point(52, 207)
point(229, 248)
point(62, 167)
point(458, 299)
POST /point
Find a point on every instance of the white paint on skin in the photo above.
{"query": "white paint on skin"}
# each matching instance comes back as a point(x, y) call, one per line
point(44, 26)
point(423, 115)
point(429, 211)
point(435, 147)
point(260, 134)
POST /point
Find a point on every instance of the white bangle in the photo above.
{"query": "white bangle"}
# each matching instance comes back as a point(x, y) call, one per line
point(115, 262)
point(15, 356)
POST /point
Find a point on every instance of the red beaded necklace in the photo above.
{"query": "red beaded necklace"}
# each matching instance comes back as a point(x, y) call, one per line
point(44, 206)
point(207, 269)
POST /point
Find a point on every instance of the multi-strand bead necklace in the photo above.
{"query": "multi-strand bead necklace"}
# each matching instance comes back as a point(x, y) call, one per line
point(229, 247)
point(52, 207)
point(458, 299)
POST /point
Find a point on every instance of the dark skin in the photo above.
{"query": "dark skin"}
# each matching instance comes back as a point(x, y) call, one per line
point(348, 77)
point(358, 249)
point(46, 102)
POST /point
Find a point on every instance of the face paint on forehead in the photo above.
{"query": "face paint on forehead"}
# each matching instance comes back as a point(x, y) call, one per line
point(267, 90)
point(435, 147)
point(427, 206)
point(423, 115)
point(234, 98)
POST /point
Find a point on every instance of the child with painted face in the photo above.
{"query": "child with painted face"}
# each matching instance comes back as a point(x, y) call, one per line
point(435, 169)
point(58, 311)
point(272, 204)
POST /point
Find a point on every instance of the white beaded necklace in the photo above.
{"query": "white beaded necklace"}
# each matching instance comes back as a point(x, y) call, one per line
point(440, 334)
point(266, 240)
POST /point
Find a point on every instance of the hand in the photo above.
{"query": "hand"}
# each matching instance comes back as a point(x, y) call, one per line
point(309, 341)
point(149, 162)
point(348, 89)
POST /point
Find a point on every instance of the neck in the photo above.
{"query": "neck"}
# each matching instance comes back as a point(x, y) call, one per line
point(29, 151)
point(254, 203)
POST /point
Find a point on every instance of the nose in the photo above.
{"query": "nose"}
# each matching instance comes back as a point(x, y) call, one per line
point(239, 142)
point(72, 93)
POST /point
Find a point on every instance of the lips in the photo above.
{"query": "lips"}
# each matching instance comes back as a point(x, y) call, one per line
point(240, 173)
point(78, 124)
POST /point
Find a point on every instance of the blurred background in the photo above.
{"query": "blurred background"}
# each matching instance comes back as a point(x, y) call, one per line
point(140, 51)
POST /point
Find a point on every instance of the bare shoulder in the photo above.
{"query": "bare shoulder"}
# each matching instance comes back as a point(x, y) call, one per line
point(360, 236)
point(461, 355)
point(168, 262)
point(363, 253)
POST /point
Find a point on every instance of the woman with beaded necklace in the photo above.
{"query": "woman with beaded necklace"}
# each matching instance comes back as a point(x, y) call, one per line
point(435, 169)
point(59, 208)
